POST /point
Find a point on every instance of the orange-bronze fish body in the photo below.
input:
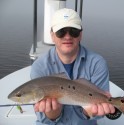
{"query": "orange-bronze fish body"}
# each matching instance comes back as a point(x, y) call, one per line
point(71, 92)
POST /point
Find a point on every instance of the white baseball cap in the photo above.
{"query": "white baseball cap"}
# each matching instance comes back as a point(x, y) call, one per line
point(65, 18)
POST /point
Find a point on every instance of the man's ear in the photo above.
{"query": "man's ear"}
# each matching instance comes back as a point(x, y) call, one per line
point(81, 34)
point(51, 32)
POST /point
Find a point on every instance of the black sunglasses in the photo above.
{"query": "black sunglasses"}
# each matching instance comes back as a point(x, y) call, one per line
point(72, 32)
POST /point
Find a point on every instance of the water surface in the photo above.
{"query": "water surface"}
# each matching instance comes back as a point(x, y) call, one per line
point(103, 24)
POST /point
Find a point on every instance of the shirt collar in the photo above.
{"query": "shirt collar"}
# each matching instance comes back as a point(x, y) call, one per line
point(59, 66)
point(82, 52)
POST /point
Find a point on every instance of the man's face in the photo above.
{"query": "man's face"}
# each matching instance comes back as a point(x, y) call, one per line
point(67, 41)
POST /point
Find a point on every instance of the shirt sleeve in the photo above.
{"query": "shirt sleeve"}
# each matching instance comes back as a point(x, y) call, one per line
point(100, 75)
point(43, 120)
point(35, 72)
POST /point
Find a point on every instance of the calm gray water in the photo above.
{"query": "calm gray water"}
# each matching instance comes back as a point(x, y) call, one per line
point(103, 23)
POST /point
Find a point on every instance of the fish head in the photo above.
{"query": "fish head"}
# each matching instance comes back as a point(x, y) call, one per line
point(26, 95)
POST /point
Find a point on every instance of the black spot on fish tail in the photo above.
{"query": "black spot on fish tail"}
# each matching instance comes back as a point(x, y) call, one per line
point(122, 99)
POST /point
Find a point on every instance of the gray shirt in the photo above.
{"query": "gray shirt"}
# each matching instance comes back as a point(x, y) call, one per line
point(88, 65)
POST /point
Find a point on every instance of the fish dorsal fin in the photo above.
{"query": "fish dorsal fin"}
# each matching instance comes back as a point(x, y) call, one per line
point(90, 85)
point(61, 75)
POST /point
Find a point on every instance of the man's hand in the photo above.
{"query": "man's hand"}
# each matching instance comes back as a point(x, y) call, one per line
point(50, 107)
point(102, 109)
point(99, 109)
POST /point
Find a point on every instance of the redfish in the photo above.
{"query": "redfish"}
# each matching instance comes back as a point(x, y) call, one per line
point(70, 92)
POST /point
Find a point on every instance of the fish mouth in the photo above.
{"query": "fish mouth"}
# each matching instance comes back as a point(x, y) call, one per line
point(16, 97)
point(10, 96)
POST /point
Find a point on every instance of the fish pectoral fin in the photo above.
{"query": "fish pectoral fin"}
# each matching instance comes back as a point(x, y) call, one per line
point(88, 111)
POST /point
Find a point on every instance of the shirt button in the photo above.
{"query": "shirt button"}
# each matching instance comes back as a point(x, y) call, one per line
point(67, 119)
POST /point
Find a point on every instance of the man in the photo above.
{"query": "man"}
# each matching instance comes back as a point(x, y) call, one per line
point(76, 62)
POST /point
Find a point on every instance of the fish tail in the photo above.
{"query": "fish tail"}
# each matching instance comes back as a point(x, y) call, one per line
point(118, 102)
point(122, 104)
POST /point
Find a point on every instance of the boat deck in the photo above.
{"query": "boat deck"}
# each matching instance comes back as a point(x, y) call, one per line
point(12, 116)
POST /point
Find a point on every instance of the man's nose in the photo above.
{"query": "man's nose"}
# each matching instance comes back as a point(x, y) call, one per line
point(67, 35)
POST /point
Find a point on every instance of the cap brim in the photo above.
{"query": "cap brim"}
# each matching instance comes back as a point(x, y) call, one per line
point(58, 27)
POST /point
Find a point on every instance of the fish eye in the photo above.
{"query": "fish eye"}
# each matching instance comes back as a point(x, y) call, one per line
point(18, 94)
